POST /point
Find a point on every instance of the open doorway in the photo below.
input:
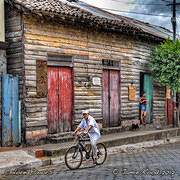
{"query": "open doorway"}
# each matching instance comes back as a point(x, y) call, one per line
point(146, 84)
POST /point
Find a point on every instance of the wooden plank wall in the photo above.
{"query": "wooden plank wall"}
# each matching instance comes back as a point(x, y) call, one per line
point(44, 39)
point(88, 49)
point(134, 62)
point(14, 37)
point(159, 104)
point(86, 96)
point(2, 71)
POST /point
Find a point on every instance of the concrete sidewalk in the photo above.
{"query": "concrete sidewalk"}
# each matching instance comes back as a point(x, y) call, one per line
point(17, 159)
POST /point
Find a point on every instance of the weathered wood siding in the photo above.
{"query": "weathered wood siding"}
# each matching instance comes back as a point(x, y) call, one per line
point(88, 49)
point(2, 71)
point(134, 62)
point(14, 37)
point(159, 104)
point(44, 39)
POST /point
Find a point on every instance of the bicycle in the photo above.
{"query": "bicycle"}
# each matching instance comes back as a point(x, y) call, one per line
point(74, 155)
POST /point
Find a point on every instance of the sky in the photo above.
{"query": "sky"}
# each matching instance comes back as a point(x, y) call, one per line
point(157, 12)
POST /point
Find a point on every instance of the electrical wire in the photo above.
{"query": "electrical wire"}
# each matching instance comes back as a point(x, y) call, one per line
point(139, 3)
point(147, 14)
point(178, 25)
point(151, 4)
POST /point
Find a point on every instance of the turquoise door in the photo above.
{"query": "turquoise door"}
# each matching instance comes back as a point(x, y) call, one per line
point(148, 88)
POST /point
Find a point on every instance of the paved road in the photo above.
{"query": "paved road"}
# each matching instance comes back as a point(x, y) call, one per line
point(146, 164)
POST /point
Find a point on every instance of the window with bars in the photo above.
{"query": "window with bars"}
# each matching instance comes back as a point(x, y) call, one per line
point(110, 63)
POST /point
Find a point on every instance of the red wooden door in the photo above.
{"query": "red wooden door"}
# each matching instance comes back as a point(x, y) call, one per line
point(53, 99)
point(110, 98)
point(170, 111)
point(106, 102)
point(59, 99)
point(65, 99)
point(114, 98)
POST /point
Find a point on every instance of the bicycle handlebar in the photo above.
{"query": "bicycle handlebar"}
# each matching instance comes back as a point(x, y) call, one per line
point(82, 137)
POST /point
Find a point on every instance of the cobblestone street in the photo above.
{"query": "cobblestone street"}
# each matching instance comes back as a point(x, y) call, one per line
point(155, 163)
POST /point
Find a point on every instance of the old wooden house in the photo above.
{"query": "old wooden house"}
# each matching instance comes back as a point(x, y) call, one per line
point(70, 56)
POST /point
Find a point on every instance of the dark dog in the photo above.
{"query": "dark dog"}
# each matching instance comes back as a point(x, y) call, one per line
point(134, 127)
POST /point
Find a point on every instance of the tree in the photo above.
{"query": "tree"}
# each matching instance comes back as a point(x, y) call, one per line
point(165, 64)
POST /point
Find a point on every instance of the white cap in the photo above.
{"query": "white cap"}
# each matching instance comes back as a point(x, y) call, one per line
point(85, 112)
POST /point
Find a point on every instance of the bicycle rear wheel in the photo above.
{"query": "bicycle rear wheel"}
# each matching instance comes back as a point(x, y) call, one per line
point(101, 153)
point(73, 157)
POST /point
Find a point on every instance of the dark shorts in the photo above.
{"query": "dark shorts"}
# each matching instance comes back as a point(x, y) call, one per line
point(143, 107)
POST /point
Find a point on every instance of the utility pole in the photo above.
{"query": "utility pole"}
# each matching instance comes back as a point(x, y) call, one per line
point(173, 20)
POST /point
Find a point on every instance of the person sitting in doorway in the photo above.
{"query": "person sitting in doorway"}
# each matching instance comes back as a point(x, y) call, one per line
point(143, 101)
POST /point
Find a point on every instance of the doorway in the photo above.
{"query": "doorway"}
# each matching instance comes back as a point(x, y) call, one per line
point(111, 105)
point(59, 99)
point(11, 124)
point(146, 84)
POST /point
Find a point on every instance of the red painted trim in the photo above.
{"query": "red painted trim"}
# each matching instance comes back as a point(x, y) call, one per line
point(169, 111)
point(72, 72)
point(174, 104)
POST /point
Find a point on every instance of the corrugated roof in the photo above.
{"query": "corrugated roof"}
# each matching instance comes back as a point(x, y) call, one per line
point(77, 10)
point(146, 27)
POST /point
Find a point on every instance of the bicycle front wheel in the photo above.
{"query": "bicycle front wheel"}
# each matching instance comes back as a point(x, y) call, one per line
point(101, 153)
point(73, 157)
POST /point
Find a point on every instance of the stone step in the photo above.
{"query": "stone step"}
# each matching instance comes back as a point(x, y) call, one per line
point(67, 137)
point(61, 139)
point(116, 139)
point(62, 134)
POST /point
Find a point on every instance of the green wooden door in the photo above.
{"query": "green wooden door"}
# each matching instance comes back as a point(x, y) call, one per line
point(148, 88)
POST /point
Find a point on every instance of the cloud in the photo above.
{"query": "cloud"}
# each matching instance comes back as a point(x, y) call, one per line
point(153, 6)
point(111, 4)
point(157, 7)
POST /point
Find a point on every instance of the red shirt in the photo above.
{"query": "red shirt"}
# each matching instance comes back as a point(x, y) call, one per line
point(143, 101)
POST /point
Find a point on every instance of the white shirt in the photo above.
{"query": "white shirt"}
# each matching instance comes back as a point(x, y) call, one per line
point(94, 132)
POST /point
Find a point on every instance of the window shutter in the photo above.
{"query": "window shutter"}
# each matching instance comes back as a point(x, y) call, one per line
point(41, 82)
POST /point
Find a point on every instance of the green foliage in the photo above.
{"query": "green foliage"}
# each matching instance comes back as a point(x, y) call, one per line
point(165, 64)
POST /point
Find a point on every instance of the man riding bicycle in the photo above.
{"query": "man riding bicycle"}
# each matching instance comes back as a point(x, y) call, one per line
point(90, 127)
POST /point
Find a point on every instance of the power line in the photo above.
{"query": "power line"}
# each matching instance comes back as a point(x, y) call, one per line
point(167, 1)
point(135, 12)
point(139, 3)
point(178, 25)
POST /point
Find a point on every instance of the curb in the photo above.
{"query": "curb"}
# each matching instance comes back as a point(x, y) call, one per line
point(133, 147)
point(118, 140)
point(46, 161)
point(117, 144)
point(126, 148)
